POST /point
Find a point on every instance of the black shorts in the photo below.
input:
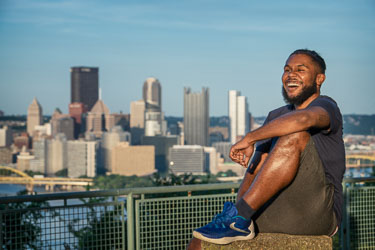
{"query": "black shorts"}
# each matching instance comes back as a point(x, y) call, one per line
point(304, 207)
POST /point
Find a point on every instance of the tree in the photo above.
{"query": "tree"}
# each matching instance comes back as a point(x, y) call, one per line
point(62, 173)
point(20, 229)
point(103, 228)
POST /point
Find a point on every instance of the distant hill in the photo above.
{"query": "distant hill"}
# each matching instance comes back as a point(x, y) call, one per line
point(353, 124)
point(359, 124)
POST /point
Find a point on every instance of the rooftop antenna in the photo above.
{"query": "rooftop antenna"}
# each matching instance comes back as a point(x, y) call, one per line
point(100, 93)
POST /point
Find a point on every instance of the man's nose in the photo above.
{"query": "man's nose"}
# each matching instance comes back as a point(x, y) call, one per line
point(291, 73)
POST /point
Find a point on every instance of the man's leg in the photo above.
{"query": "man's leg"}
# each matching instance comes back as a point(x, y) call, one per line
point(278, 170)
point(308, 199)
point(255, 165)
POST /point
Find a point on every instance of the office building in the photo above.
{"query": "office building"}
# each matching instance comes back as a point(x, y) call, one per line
point(152, 94)
point(77, 111)
point(23, 160)
point(212, 159)
point(162, 145)
point(82, 158)
point(38, 164)
point(196, 117)
point(84, 85)
point(133, 160)
point(34, 116)
point(223, 148)
point(6, 156)
point(56, 155)
point(108, 142)
point(137, 121)
point(188, 159)
point(42, 131)
point(238, 113)
point(6, 136)
point(62, 123)
point(154, 117)
point(21, 140)
point(99, 119)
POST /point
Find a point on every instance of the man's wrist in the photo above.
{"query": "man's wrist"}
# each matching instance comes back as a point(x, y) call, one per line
point(249, 139)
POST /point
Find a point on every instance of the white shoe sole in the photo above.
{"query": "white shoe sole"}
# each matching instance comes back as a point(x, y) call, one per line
point(226, 240)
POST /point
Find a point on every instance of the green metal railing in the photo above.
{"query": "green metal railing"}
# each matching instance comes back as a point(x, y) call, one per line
point(134, 218)
point(148, 218)
point(358, 226)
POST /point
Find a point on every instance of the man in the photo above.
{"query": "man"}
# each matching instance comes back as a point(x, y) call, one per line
point(293, 182)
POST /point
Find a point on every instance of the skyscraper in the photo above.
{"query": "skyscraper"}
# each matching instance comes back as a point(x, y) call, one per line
point(34, 116)
point(56, 155)
point(152, 94)
point(81, 158)
point(137, 121)
point(99, 119)
point(137, 114)
point(238, 115)
point(84, 85)
point(62, 123)
point(196, 117)
point(6, 136)
point(154, 118)
point(77, 111)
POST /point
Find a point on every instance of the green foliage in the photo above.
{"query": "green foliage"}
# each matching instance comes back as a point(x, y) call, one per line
point(32, 173)
point(103, 228)
point(62, 173)
point(21, 230)
point(172, 180)
point(336, 242)
point(119, 181)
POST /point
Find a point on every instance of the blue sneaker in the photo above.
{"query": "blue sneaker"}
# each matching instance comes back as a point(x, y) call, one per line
point(226, 227)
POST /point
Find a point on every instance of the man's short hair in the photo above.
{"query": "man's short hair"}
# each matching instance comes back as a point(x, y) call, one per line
point(314, 56)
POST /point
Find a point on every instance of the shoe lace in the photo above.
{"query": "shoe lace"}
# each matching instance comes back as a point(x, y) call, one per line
point(221, 218)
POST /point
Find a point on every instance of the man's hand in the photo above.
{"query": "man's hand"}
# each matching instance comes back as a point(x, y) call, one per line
point(241, 152)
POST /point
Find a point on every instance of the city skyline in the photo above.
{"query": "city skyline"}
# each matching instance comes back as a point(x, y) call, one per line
point(220, 45)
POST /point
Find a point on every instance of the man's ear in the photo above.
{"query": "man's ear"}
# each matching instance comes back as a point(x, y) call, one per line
point(320, 79)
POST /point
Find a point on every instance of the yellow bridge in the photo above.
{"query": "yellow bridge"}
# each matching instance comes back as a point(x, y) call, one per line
point(358, 160)
point(7, 177)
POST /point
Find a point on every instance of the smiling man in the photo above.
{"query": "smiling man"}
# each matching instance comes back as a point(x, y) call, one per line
point(293, 182)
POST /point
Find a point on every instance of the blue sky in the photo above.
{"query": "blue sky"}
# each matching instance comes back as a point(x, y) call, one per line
point(220, 44)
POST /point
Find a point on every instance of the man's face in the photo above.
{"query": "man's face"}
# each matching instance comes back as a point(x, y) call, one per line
point(299, 79)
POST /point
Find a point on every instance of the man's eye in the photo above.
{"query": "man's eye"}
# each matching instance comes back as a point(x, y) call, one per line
point(301, 70)
point(286, 70)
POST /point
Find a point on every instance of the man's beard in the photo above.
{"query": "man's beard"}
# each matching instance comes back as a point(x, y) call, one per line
point(307, 91)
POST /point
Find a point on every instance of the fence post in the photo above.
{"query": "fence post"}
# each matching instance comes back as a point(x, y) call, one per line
point(343, 230)
point(123, 225)
point(1, 229)
point(130, 220)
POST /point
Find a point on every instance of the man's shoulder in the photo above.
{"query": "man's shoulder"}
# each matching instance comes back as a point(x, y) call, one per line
point(280, 111)
point(323, 99)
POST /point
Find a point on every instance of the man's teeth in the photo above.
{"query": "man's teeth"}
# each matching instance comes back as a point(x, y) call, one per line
point(293, 85)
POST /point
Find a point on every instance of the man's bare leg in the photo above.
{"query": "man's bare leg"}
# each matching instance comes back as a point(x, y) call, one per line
point(274, 172)
point(278, 170)
point(256, 163)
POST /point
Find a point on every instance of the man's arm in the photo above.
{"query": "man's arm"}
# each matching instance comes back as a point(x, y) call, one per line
point(296, 121)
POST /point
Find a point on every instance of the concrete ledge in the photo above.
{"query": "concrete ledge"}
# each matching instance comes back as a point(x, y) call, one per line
point(265, 241)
